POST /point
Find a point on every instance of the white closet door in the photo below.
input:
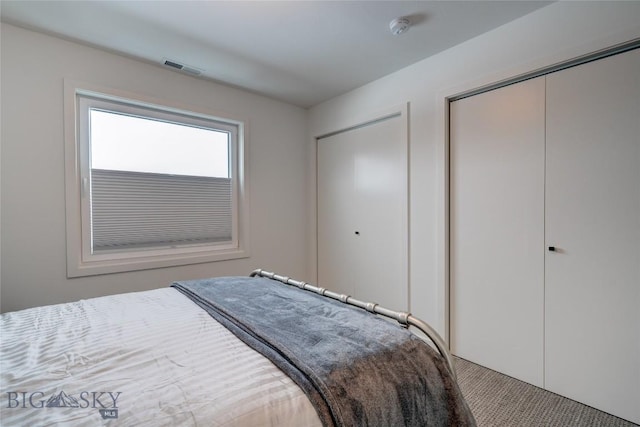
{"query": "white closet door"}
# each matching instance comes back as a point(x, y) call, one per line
point(336, 217)
point(362, 212)
point(593, 219)
point(497, 229)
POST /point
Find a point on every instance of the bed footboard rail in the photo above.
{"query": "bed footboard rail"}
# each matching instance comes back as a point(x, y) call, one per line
point(404, 318)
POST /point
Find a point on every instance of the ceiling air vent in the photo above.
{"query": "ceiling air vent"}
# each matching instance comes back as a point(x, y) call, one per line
point(182, 67)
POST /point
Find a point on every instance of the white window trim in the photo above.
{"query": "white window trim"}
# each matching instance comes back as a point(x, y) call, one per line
point(80, 260)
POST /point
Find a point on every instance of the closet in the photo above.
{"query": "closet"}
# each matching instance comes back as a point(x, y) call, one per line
point(362, 211)
point(545, 232)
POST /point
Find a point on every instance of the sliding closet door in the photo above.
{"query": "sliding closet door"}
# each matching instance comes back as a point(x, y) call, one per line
point(593, 221)
point(362, 212)
point(336, 216)
point(497, 229)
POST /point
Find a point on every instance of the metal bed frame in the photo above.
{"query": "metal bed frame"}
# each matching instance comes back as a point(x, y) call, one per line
point(405, 319)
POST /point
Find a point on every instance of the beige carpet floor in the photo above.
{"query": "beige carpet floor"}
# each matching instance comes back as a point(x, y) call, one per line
point(498, 400)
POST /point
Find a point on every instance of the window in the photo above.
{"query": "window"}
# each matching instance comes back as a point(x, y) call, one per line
point(150, 185)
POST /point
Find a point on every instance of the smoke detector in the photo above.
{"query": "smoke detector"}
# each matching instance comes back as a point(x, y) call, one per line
point(182, 67)
point(399, 26)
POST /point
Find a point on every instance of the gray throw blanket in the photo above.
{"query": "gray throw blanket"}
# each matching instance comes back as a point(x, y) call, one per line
point(356, 368)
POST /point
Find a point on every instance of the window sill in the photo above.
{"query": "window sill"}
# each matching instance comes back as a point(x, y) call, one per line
point(96, 266)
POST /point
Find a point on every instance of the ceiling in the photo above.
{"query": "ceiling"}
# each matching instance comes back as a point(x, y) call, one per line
point(301, 52)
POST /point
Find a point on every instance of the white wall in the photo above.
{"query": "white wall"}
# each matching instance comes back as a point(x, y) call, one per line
point(553, 34)
point(33, 198)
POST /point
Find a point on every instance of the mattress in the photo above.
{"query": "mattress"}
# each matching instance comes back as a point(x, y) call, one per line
point(149, 358)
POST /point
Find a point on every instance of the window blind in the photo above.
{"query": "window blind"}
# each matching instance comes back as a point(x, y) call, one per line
point(146, 210)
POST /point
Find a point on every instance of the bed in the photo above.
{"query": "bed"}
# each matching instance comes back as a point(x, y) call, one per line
point(264, 350)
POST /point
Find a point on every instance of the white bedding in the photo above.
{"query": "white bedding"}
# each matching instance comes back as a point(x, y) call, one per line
point(170, 362)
